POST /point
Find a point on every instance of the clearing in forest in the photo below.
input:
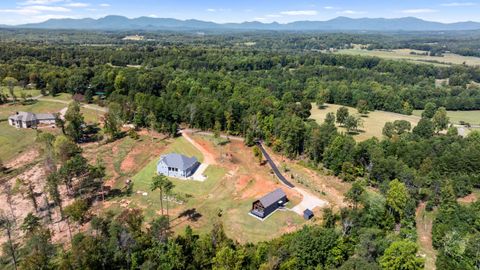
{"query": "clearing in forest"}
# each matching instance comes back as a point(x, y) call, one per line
point(424, 221)
point(373, 123)
point(234, 181)
point(416, 56)
point(471, 117)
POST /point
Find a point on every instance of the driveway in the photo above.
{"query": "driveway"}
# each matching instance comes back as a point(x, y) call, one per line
point(309, 201)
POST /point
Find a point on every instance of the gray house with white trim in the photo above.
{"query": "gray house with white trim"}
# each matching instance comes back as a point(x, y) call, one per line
point(31, 120)
point(176, 165)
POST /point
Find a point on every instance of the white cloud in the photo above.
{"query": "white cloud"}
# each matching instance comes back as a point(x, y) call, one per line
point(459, 4)
point(273, 16)
point(211, 10)
point(40, 2)
point(20, 11)
point(329, 7)
point(153, 16)
point(299, 12)
point(105, 5)
point(419, 10)
point(49, 8)
point(77, 5)
point(260, 19)
point(33, 10)
point(350, 12)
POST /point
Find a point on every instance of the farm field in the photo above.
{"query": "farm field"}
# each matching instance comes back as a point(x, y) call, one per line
point(472, 117)
point(226, 195)
point(372, 124)
point(404, 54)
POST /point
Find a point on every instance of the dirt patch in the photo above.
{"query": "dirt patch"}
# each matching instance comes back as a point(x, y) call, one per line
point(136, 158)
point(25, 158)
point(208, 153)
point(424, 230)
point(471, 198)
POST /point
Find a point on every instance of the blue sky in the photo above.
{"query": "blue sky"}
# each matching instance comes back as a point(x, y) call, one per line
point(26, 11)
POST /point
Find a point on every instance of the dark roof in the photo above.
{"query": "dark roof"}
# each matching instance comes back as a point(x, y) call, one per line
point(308, 212)
point(178, 161)
point(272, 197)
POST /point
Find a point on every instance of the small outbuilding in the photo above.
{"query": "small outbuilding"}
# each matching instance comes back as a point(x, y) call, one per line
point(266, 205)
point(308, 214)
point(176, 165)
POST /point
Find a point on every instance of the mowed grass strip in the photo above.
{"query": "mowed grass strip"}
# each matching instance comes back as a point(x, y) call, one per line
point(373, 123)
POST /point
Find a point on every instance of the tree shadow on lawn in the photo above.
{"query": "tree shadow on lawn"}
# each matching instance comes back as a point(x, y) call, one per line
point(356, 132)
point(190, 215)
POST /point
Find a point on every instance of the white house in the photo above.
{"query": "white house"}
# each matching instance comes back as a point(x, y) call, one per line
point(176, 165)
point(31, 120)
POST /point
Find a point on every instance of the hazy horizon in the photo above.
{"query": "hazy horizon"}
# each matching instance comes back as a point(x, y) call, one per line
point(266, 11)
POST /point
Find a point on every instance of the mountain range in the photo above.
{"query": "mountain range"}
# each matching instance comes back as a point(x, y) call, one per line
point(114, 22)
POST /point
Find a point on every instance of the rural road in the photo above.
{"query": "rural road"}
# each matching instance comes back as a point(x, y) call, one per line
point(274, 167)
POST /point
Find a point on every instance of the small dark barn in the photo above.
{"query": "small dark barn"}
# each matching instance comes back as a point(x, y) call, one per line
point(269, 203)
point(307, 214)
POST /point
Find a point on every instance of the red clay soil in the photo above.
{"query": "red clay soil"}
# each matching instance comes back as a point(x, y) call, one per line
point(424, 230)
point(202, 146)
point(471, 198)
point(332, 187)
point(24, 158)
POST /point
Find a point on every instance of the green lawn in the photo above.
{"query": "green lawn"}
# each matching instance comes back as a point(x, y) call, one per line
point(14, 141)
point(19, 90)
point(472, 117)
point(208, 198)
point(91, 116)
point(37, 107)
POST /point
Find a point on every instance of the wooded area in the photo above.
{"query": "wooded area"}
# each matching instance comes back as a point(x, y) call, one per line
point(267, 95)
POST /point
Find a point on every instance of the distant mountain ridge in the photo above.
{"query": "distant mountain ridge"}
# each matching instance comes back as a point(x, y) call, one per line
point(114, 22)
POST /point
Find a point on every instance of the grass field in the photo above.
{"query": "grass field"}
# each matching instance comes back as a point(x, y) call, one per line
point(19, 90)
point(404, 54)
point(372, 124)
point(472, 117)
point(14, 141)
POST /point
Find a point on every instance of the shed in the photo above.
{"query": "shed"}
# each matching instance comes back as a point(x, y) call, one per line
point(266, 205)
point(308, 214)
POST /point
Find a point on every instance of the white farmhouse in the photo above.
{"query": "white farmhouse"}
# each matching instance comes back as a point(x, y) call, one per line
point(31, 120)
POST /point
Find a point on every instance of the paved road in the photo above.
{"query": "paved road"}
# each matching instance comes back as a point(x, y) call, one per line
point(274, 167)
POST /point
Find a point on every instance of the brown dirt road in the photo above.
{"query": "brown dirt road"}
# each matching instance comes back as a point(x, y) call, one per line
point(424, 230)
